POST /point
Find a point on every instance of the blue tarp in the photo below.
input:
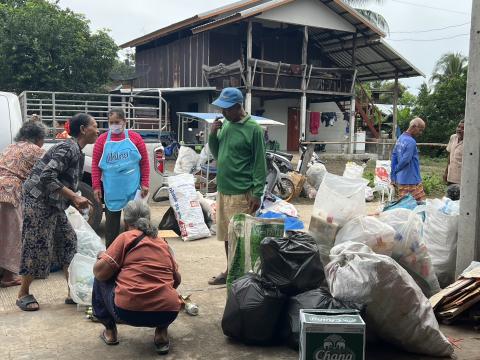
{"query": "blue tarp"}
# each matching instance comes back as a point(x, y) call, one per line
point(291, 223)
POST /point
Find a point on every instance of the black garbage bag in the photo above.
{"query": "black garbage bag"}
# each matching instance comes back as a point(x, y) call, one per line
point(314, 299)
point(292, 263)
point(169, 222)
point(253, 311)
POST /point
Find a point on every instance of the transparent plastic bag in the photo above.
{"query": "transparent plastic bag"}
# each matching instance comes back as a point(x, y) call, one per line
point(370, 231)
point(315, 175)
point(88, 242)
point(396, 309)
point(353, 170)
point(440, 235)
point(410, 250)
point(80, 279)
point(186, 161)
point(340, 199)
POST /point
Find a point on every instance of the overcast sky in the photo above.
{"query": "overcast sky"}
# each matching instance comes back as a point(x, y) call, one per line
point(406, 18)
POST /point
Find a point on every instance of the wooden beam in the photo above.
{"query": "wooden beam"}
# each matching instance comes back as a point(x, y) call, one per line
point(377, 62)
point(248, 95)
point(305, 46)
point(304, 60)
point(297, 91)
point(348, 45)
point(354, 51)
point(249, 52)
point(274, 66)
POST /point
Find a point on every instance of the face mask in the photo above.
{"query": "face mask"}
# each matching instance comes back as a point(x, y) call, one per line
point(116, 129)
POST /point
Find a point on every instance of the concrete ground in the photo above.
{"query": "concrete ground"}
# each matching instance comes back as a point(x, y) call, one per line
point(58, 331)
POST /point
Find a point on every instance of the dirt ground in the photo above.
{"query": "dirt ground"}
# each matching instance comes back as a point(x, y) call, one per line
point(58, 331)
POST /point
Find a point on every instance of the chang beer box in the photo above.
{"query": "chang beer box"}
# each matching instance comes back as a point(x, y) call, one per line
point(331, 335)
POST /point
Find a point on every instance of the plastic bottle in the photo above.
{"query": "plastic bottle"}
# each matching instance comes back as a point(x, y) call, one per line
point(191, 309)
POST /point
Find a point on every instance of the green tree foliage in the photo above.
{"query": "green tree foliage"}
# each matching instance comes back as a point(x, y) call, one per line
point(442, 107)
point(43, 47)
point(450, 65)
point(372, 16)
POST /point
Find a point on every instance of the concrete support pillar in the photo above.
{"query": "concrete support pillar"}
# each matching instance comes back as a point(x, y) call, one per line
point(303, 116)
point(303, 99)
point(468, 248)
point(351, 146)
point(248, 96)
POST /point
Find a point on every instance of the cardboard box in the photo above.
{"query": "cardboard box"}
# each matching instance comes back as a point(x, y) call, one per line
point(331, 335)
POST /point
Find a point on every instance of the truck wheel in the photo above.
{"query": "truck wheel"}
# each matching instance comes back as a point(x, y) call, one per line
point(95, 214)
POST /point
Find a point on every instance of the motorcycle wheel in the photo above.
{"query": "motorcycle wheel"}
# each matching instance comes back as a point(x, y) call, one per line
point(284, 189)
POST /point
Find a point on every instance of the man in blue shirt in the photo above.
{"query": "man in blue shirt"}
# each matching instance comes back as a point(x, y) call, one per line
point(406, 164)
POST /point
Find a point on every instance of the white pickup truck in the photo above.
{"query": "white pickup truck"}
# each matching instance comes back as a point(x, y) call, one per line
point(145, 113)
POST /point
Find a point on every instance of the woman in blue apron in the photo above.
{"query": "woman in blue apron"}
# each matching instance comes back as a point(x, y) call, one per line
point(120, 163)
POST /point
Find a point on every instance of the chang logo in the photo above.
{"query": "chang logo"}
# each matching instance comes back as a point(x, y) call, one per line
point(334, 348)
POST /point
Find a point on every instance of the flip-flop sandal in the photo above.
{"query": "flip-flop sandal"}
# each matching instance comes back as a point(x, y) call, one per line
point(69, 301)
point(162, 349)
point(220, 279)
point(26, 300)
point(106, 341)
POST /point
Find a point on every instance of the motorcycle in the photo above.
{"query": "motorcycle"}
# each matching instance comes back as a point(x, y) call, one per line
point(315, 159)
point(171, 150)
point(278, 183)
point(282, 160)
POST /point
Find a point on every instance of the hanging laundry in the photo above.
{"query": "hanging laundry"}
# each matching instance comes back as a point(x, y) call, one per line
point(314, 122)
point(329, 118)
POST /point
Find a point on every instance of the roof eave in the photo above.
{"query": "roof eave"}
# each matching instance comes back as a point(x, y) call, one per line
point(187, 22)
point(162, 32)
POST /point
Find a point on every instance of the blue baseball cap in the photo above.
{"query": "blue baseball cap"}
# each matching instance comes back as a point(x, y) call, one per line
point(228, 98)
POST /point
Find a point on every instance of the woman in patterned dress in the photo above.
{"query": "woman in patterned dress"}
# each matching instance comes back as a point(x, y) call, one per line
point(16, 163)
point(51, 188)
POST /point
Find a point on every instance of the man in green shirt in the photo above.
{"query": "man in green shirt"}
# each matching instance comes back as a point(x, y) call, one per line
point(239, 148)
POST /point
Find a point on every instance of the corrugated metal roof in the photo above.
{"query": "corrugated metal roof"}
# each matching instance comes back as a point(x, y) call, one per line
point(248, 8)
point(375, 59)
point(191, 21)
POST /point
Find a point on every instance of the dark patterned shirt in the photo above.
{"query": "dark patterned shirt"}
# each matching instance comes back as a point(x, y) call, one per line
point(62, 165)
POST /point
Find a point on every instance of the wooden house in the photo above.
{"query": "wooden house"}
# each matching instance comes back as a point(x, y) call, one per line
point(291, 58)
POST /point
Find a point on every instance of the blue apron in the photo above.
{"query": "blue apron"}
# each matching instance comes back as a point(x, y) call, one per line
point(120, 164)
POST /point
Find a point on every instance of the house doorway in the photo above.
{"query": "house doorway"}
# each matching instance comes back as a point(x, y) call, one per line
point(293, 136)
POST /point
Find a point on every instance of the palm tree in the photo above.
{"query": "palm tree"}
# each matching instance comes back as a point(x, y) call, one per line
point(370, 15)
point(450, 65)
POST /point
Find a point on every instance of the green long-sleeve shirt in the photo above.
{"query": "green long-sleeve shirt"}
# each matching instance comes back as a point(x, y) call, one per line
point(239, 149)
